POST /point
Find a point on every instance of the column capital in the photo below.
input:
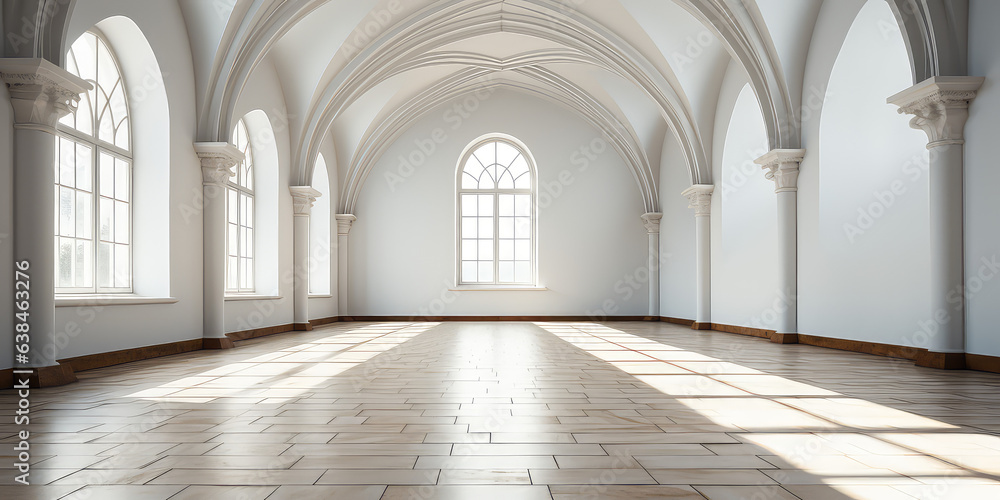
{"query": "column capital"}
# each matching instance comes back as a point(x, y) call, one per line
point(40, 92)
point(303, 198)
point(700, 199)
point(652, 222)
point(217, 161)
point(782, 167)
point(344, 223)
point(940, 107)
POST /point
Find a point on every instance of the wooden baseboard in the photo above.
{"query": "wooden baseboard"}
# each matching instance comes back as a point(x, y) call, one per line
point(324, 321)
point(743, 330)
point(784, 338)
point(677, 321)
point(982, 362)
point(218, 343)
point(260, 332)
point(92, 361)
point(52, 376)
point(302, 327)
point(876, 349)
point(701, 326)
point(575, 319)
point(941, 360)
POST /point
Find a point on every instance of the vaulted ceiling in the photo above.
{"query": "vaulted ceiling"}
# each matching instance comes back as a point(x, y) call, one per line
point(360, 72)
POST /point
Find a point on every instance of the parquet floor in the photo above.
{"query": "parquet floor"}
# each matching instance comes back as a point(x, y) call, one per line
point(513, 411)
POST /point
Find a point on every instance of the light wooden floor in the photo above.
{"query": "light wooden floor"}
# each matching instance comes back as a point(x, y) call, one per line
point(514, 411)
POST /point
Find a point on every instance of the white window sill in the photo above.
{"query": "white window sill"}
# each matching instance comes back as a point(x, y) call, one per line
point(110, 300)
point(320, 296)
point(496, 288)
point(250, 296)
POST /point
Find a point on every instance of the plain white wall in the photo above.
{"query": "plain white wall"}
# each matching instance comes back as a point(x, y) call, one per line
point(863, 213)
point(591, 236)
point(677, 243)
point(744, 214)
point(982, 181)
point(97, 329)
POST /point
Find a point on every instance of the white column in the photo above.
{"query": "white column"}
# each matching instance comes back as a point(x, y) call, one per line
point(40, 93)
point(344, 223)
point(782, 167)
point(700, 199)
point(940, 106)
point(652, 222)
point(217, 162)
point(303, 198)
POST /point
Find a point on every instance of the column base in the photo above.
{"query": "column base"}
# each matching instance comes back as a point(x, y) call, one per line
point(701, 326)
point(218, 343)
point(302, 327)
point(785, 338)
point(51, 376)
point(941, 360)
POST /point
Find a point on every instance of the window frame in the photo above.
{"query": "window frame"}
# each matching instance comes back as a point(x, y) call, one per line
point(233, 185)
point(496, 192)
point(98, 146)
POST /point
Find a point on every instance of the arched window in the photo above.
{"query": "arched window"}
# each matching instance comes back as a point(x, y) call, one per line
point(319, 232)
point(93, 225)
point(496, 225)
point(240, 217)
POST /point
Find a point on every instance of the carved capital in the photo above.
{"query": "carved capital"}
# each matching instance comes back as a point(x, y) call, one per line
point(344, 223)
point(652, 222)
point(700, 199)
point(782, 167)
point(40, 92)
point(217, 161)
point(303, 198)
point(940, 107)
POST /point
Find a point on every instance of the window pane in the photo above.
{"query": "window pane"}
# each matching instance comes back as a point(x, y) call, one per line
point(506, 272)
point(231, 272)
point(84, 215)
point(84, 263)
point(121, 180)
point(469, 271)
point(84, 176)
point(65, 262)
point(485, 227)
point(469, 182)
point(107, 175)
point(248, 221)
point(469, 249)
point(522, 204)
point(67, 212)
point(231, 212)
point(485, 249)
point(522, 227)
point(522, 272)
point(106, 215)
point(506, 228)
point(121, 266)
point(67, 163)
point(104, 269)
point(506, 153)
point(506, 205)
point(469, 206)
point(247, 248)
point(232, 244)
point(485, 205)
point(247, 274)
point(122, 225)
point(506, 249)
point(469, 227)
point(522, 249)
point(485, 272)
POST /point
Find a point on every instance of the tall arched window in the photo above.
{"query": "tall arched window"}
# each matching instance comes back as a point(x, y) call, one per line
point(240, 217)
point(496, 225)
point(93, 223)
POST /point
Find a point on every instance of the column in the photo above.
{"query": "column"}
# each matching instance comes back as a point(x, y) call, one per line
point(700, 199)
point(303, 198)
point(344, 223)
point(940, 107)
point(782, 167)
point(40, 93)
point(652, 223)
point(217, 162)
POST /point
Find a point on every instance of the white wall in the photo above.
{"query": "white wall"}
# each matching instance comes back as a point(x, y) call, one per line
point(744, 214)
point(982, 181)
point(590, 236)
point(90, 329)
point(677, 239)
point(863, 213)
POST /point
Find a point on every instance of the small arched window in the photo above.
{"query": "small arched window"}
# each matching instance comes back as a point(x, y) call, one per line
point(496, 215)
point(93, 226)
point(240, 218)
